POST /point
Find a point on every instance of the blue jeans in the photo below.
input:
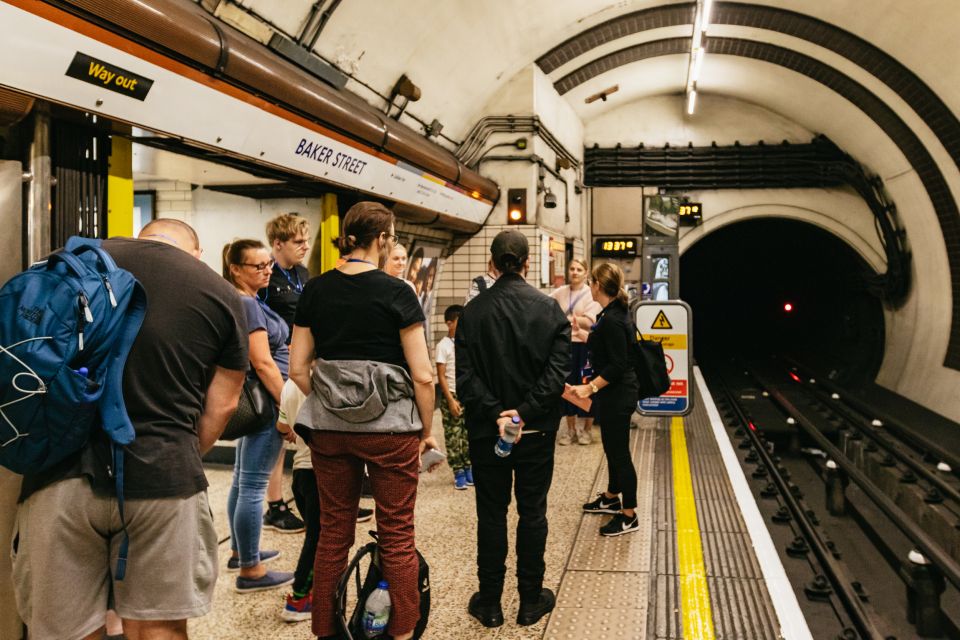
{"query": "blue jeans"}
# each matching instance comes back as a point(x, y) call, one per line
point(255, 458)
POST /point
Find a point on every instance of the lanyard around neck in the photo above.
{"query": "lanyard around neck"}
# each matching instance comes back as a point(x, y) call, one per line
point(296, 286)
point(573, 301)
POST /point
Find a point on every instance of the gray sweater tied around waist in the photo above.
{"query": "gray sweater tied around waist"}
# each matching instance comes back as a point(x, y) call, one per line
point(360, 396)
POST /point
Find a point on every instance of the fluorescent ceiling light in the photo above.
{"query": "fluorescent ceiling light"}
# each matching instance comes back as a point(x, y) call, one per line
point(691, 101)
point(697, 64)
point(707, 10)
point(697, 34)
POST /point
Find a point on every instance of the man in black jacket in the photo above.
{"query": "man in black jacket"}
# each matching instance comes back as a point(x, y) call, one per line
point(513, 355)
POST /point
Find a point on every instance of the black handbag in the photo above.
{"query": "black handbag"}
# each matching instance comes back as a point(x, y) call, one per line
point(254, 410)
point(650, 364)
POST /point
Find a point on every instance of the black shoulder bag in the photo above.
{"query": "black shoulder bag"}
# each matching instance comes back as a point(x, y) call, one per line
point(253, 411)
point(650, 365)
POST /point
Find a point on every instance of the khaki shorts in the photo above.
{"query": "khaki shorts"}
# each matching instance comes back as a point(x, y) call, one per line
point(65, 549)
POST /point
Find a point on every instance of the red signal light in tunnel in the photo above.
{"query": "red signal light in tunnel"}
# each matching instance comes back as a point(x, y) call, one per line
point(788, 307)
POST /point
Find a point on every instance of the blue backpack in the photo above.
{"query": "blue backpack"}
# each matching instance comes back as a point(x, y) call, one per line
point(66, 326)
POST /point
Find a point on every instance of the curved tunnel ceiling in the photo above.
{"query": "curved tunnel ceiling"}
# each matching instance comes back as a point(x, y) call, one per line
point(901, 80)
point(462, 67)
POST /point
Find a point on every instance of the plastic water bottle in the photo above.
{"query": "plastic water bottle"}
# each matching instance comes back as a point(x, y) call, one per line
point(376, 611)
point(505, 443)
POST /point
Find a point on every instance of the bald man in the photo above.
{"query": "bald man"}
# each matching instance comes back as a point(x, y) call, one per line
point(181, 384)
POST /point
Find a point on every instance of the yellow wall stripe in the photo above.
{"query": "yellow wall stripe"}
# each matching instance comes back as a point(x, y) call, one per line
point(120, 188)
point(694, 592)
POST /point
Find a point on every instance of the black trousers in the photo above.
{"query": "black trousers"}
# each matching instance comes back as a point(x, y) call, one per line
point(531, 462)
point(615, 435)
point(308, 504)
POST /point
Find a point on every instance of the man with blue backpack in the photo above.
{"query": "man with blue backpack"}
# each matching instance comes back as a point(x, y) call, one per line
point(126, 523)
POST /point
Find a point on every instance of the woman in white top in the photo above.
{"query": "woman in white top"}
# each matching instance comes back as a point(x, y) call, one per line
point(577, 302)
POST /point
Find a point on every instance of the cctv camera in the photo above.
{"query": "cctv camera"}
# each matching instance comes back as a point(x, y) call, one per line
point(549, 200)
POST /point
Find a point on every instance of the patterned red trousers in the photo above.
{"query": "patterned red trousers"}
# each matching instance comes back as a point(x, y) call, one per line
point(393, 464)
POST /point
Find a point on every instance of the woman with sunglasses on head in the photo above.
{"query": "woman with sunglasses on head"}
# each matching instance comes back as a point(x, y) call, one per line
point(370, 402)
point(247, 265)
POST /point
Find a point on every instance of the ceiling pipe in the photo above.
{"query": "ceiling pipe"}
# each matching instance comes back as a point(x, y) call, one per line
point(182, 29)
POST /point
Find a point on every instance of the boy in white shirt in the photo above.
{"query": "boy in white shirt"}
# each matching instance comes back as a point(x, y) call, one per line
point(454, 429)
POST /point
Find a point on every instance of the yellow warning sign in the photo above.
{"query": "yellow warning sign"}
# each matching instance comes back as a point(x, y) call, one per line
point(661, 322)
point(668, 340)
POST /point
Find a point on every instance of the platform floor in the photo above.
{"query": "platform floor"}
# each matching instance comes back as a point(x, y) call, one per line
point(446, 535)
point(690, 572)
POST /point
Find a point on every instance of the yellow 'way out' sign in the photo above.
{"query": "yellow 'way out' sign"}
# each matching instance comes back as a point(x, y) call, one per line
point(661, 322)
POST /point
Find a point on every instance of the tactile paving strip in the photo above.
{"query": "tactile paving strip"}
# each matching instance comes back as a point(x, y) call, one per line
point(605, 589)
point(739, 598)
point(573, 623)
point(742, 609)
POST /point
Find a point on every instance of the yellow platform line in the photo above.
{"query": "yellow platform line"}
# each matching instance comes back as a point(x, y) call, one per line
point(694, 592)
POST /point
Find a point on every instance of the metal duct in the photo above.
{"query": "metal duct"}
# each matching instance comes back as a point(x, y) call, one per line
point(14, 106)
point(187, 31)
point(817, 164)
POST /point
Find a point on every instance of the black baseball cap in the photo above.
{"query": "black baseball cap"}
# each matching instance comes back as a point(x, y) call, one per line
point(509, 243)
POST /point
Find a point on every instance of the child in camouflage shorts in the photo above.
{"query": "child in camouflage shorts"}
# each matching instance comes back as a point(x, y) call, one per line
point(454, 430)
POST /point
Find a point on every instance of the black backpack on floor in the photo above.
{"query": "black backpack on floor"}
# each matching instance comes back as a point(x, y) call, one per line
point(369, 554)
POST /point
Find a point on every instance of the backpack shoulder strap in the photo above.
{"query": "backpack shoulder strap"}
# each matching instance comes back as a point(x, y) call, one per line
point(481, 283)
point(113, 411)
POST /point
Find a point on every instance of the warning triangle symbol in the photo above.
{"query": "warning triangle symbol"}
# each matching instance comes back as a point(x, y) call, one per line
point(661, 322)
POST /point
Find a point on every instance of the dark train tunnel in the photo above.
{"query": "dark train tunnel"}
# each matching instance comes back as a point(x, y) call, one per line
point(738, 280)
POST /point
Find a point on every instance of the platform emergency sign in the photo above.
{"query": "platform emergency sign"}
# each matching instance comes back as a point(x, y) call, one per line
point(669, 322)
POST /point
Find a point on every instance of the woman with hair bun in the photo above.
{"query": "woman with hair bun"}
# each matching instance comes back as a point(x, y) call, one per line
point(614, 391)
point(370, 402)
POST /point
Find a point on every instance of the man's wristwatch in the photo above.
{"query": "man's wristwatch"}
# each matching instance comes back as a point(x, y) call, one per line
point(593, 387)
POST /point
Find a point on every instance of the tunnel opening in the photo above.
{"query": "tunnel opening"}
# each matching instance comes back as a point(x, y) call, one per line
point(777, 287)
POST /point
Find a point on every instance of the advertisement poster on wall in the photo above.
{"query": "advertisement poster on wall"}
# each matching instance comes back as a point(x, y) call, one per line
point(423, 271)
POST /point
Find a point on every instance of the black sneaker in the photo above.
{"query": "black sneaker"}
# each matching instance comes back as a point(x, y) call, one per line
point(489, 615)
point(282, 519)
point(364, 514)
point(619, 525)
point(603, 504)
point(531, 611)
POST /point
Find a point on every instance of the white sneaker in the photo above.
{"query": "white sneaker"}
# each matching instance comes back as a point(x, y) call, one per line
point(584, 437)
point(563, 437)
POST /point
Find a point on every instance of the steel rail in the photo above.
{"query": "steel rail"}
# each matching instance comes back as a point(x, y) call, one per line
point(923, 542)
point(837, 574)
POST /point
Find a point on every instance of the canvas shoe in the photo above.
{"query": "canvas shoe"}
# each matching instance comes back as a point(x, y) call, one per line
point(469, 473)
point(603, 505)
point(583, 436)
point(297, 609)
point(619, 525)
point(459, 479)
point(270, 580)
point(233, 564)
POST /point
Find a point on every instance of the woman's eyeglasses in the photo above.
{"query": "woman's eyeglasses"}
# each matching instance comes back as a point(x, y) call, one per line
point(260, 267)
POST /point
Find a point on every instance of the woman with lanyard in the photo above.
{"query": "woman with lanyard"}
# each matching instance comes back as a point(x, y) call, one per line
point(577, 302)
point(247, 265)
point(369, 402)
point(613, 387)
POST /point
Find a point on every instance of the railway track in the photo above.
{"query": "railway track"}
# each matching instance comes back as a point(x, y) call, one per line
point(867, 511)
